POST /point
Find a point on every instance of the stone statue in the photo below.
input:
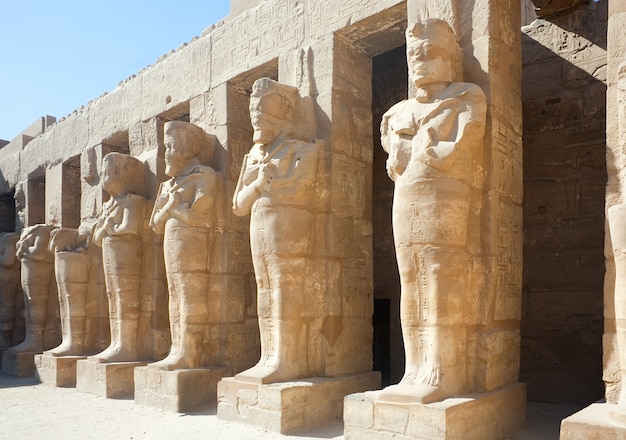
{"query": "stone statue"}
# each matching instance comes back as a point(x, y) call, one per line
point(616, 216)
point(72, 268)
point(37, 272)
point(617, 227)
point(183, 211)
point(432, 141)
point(9, 286)
point(118, 231)
point(276, 187)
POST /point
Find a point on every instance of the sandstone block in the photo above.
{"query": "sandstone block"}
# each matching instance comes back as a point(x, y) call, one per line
point(179, 390)
point(57, 371)
point(112, 380)
point(474, 417)
point(18, 364)
point(287, 407)
point(593, 423)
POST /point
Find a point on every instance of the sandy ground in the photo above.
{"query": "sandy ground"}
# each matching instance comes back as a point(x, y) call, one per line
point(29, 410)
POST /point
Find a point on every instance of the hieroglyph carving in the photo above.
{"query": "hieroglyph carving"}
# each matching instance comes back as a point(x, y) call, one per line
point(37, 272)
point(9, 286)
point(432, 141)
point(118, 231)
point(183, 211)
point(72, 267)
point(276, 187)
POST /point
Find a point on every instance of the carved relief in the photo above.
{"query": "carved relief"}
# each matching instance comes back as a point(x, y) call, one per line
point(431, 141)
point(276, 187)
point(118, 232)
point(183, 211)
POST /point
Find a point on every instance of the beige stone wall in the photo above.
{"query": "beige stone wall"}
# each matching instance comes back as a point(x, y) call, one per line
point(616, 168)
point(564, 89)
point(207, 82)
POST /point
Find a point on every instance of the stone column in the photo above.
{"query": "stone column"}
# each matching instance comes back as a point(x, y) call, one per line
point(335, 270)
point(608, 420)
point(488, 349)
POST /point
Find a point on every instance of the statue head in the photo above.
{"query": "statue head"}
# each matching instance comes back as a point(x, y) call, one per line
point(186, 143)
point(272, 109)
point(122, 174)
point(432, 52)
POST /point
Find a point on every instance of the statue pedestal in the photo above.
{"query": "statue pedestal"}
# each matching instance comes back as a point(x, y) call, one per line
point(179, 390)
point(487, 416)
point(57, 371)
point(593, 423)
point(287, 407)
point(112, 380)
point(19, 364)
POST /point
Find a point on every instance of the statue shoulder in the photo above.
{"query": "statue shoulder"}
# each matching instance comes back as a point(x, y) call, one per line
point(400, 118)
point(464, 91)
point(402, 107)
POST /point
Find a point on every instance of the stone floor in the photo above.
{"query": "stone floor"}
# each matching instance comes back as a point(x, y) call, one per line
point(30, 410)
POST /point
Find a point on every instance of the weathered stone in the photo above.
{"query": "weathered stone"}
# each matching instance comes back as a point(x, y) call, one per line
point(285, 407)
point(57, 371)
point(112, 380)
point(492, 415)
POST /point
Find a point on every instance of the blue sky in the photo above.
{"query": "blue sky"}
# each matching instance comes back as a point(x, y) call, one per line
point(57, 56)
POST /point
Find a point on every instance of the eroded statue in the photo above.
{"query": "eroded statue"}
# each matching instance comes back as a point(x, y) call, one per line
point(118, 232)
point(9, 286)
point(432, 141)
point(37, 272)
point(616, 216)
point(183, 211)
point(72, 267)
point(276, 187)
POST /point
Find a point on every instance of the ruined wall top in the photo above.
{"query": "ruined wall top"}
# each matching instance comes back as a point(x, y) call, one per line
point(239, 6)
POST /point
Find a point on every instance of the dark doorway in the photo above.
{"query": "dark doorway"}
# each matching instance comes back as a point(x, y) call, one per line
point(389, 86)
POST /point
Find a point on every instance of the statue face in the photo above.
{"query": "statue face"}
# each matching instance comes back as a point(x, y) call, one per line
point(175, 159)
point(110, 177)
point(428, 63)
point(268, 114)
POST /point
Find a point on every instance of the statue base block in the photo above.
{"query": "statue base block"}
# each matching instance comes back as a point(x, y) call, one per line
point(18, 364)
point(111, 380)
point(57, 371)
point(287, 407)
point(596, 422)
point(486, 416)
point(179, 390)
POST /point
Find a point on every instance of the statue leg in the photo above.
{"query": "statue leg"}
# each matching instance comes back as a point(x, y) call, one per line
point(8, 293)
point(123, 263)
point(433, 314)
point(188, 320)
point(72, 269)
point(280, 311)
point(36, 277)
point(617, 227)
point(124, 321)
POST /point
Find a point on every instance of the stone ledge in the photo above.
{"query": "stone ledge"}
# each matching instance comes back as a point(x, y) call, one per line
point(593, 423)
point(179, 390)
point(18, 364)
point(287, 407)
point(57, 371)
point(487, 416)
point(111, 380)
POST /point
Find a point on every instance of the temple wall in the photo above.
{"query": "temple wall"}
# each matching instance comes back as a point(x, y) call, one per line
point(563, 93)
point(616, 168)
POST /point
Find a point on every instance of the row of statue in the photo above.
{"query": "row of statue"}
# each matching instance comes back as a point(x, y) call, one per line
point(431, 139)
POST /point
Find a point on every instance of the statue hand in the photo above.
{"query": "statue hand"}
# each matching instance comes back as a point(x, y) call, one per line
point(267, 172)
